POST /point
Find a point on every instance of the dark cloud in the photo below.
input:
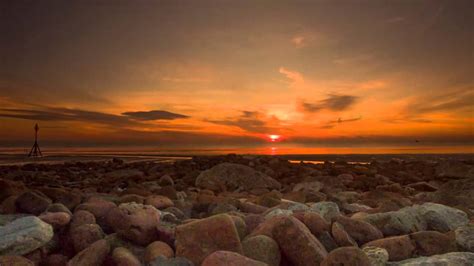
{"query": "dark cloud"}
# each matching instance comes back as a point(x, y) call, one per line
point(248, 121)
point(334, 102)
point(154, 115)
point(67, 115)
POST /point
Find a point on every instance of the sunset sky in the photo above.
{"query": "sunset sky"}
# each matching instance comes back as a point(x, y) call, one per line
point(232, 73)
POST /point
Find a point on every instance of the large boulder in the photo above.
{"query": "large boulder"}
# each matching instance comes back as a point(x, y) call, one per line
point(231, 176)
point(135, 222)
point(229, 258)
point(297, 243)
point(430, 243)
point(198, 239)
point(84, 235)
point(456, 193)
point(32, 202)
point(448, 259)
point(24, 235)
point(440, 217)
point(454, 169)
point(403, 221)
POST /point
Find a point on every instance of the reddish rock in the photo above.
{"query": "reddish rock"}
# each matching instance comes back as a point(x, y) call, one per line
point(196, 240)
point(346, 256)
point(297, 243)
point(315, 222)
point(166, 234)
point(267, 227)
point(159, 202)
point(229, 258)
point(252, 208)
point(124, 257)
point(10, 188)
point(70, 199)
point(156, 249)
point(430, 243)
point(342, 238)
point(252, 221)
point(362, 232)
point(84, 235)
point(135, 222)
point(56, 219)
point(99, 207)
point(398, 247)
point(95, 254)
point(32, 202)
point(81, 217)
point(8, 205)
point(55, 260)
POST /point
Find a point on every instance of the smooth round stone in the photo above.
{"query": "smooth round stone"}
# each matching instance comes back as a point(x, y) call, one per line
point(124, 257)
point(262, 248)
point(156, 249)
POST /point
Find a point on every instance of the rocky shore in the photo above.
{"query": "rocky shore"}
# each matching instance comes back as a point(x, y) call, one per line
point(238, 210)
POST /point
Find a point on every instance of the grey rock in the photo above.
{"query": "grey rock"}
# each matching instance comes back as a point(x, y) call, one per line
point(465, 237)
point(176, 261)
point(327, 209)
point(278, 212)
point(24, 235)
point(377, 256)
point(448, 259)
point(440, 217)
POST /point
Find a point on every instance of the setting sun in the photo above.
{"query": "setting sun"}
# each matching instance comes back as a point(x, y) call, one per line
point(274, 138)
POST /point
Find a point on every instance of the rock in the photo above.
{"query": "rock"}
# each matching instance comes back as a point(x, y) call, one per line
point(56, 219)
point(166, 180)
point(297, 243)
point(124, 174)
point(240, 226)
point(229, 258)
point(342, 238)
point(177, 261)
point(15, 261)
point(116, 241)
point(327, 240)
point(269, 200)
point(123, 257)
point(278, 212)
point(404, 221)
point(377, 256)
point(423, 186)
point(95, 255)
point(99, 207)
point(327, 209)
point(398, 247)
point(346, 256)
point(58, 207)
point(465, 237)
point(262, 248)
point(197, 239)
point(24, 235)
point(221, 208)
point(230, 176)
point(156, 249)
point(456, 193)
point(251, 208)
point(315, 223)
point(131, 198)
point(32, 202)
point(159, 202)
point(314, 186)
point(362, 232)
point(8, 218)
point(55, 260)
point(166, 233)
point(70, 199)
point(135, 222)
point(430, 243)
point(440, 217)
point(84, 235)
point(448, 259)
point(81, 217)
point(454, 169)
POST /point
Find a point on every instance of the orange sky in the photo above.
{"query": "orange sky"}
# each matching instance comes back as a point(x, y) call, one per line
point(232, 73)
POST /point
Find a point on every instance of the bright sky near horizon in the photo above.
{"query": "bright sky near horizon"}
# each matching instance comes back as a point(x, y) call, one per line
point(237, 73)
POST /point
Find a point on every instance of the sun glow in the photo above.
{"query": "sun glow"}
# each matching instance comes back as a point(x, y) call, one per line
point(274, 138)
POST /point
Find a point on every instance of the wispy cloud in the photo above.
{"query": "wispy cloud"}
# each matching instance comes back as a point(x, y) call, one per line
point(294, 76)
point(334, 102)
